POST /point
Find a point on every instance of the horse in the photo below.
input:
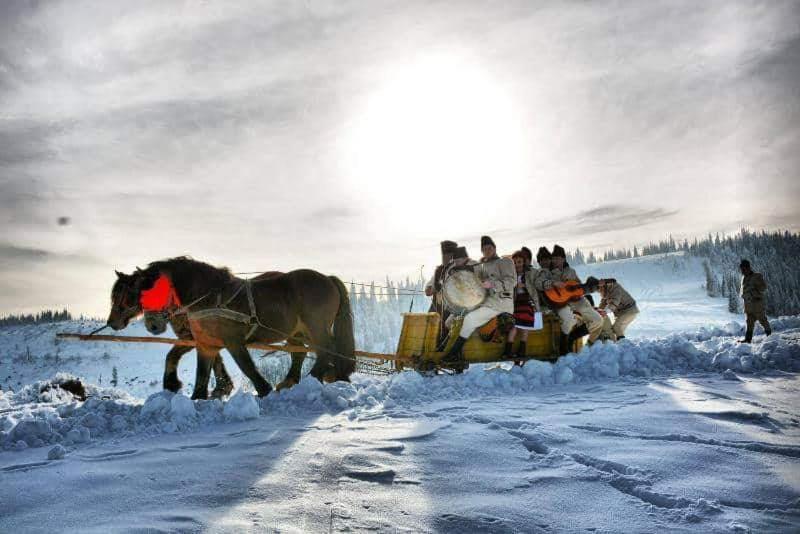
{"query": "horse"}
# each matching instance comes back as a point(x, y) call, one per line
point(126, 306)
point(298, 305)
point(156, 323)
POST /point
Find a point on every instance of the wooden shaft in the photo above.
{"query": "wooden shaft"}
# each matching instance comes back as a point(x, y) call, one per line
point(192, 343)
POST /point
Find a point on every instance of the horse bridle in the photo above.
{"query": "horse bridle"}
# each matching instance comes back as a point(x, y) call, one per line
point(123, 300)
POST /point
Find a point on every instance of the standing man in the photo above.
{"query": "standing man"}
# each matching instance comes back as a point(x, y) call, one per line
point(561, 272)
point(753, 289)
point(498, 276)
point(433, 288)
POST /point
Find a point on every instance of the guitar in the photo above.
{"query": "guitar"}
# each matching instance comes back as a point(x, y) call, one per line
point(560, 297)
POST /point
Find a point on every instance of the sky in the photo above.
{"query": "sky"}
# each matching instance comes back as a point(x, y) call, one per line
point(352, 137)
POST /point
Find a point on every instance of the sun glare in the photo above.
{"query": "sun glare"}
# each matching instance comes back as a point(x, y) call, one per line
point(439, 133)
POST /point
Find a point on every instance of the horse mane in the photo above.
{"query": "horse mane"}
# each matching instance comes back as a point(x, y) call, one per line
point(189, 276)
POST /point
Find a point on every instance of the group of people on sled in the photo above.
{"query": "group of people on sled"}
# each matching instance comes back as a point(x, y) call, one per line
point(516, 287)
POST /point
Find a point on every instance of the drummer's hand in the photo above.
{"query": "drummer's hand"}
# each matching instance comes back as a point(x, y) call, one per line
point(559, 285)
point(488, 284)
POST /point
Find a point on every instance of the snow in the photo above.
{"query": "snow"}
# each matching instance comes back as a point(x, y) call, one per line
point(241, 407)
point(671, 429)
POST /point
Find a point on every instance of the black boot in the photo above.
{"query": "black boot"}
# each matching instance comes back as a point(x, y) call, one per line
point(563, 345)
point(522, 349)
point(454, 354)
point(507, 351)
point(577, 333)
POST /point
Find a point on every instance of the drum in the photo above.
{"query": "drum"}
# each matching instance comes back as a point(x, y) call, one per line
point(462, 291)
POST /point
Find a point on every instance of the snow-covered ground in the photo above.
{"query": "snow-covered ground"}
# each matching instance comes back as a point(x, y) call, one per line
point(678, 428)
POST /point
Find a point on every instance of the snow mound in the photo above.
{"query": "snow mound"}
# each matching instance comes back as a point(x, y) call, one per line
point(36, 418)
point(241, 407)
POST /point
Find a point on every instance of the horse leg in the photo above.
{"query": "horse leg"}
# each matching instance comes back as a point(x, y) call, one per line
point(224, 384)
point(323, 369)
point(293, 376)
point(171, 380)
point(205, 357)
point(245, 362)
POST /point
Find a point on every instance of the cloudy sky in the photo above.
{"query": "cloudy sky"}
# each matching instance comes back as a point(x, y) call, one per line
point(352, 137)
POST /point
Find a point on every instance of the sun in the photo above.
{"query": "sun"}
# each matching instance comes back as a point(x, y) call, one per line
point(438, 132)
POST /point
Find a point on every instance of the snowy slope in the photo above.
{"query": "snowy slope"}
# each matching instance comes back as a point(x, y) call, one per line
point(681, 430)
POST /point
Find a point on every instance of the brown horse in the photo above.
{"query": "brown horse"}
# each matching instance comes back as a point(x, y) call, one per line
point(125, 306)
point(156, 323)
point(228, 312)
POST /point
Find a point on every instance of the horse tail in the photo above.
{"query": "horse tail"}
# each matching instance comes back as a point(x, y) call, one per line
point(343, 337)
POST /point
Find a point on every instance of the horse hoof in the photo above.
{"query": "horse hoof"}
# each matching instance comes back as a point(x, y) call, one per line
point(264, 391)
point(200, 396)
point(286, 384)
point(220, 393)
point(329, 377)
point(173, 385)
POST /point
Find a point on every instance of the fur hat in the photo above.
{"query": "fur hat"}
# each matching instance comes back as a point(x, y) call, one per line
point(558, 252)
point(518, 254)
point(526, 252)
point(460, 252)
point(448, 247)
point(486, 240)
point(745, 263)
point(543, 254)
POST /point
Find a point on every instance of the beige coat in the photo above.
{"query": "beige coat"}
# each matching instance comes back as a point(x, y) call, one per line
point(564, 274)
point(542, 280)
point(616, 299)
point(501, 272)
point(753, 289)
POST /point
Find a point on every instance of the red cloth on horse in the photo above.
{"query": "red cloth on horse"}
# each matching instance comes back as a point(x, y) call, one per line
point(161, 295)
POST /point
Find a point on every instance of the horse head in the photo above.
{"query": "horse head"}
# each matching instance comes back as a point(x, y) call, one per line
point(144, 291)
point(125, 304)
point(159, 301)
point(156, 322)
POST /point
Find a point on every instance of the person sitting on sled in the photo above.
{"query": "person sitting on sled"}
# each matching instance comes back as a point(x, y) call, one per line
point(526, 306)
point(561, 272)
point(498, 277)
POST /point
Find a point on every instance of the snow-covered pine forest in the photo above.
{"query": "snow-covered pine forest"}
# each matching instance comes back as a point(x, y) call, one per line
point(772, 253)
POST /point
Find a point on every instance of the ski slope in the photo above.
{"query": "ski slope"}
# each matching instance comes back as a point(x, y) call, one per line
point(677, 428)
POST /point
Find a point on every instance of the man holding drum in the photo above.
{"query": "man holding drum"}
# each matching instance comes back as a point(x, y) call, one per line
point(498, 277)
point(433, 288)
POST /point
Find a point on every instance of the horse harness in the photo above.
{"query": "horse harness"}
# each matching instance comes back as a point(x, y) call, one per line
point(222, 310)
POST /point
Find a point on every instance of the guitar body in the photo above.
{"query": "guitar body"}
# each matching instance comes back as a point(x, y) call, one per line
point(560, 297)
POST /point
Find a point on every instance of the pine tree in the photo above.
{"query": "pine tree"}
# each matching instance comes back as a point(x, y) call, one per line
point(114, 376)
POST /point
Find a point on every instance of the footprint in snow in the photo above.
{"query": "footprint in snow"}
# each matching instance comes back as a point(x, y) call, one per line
point(24, 467)
point(200, 446)
point(108, 455)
